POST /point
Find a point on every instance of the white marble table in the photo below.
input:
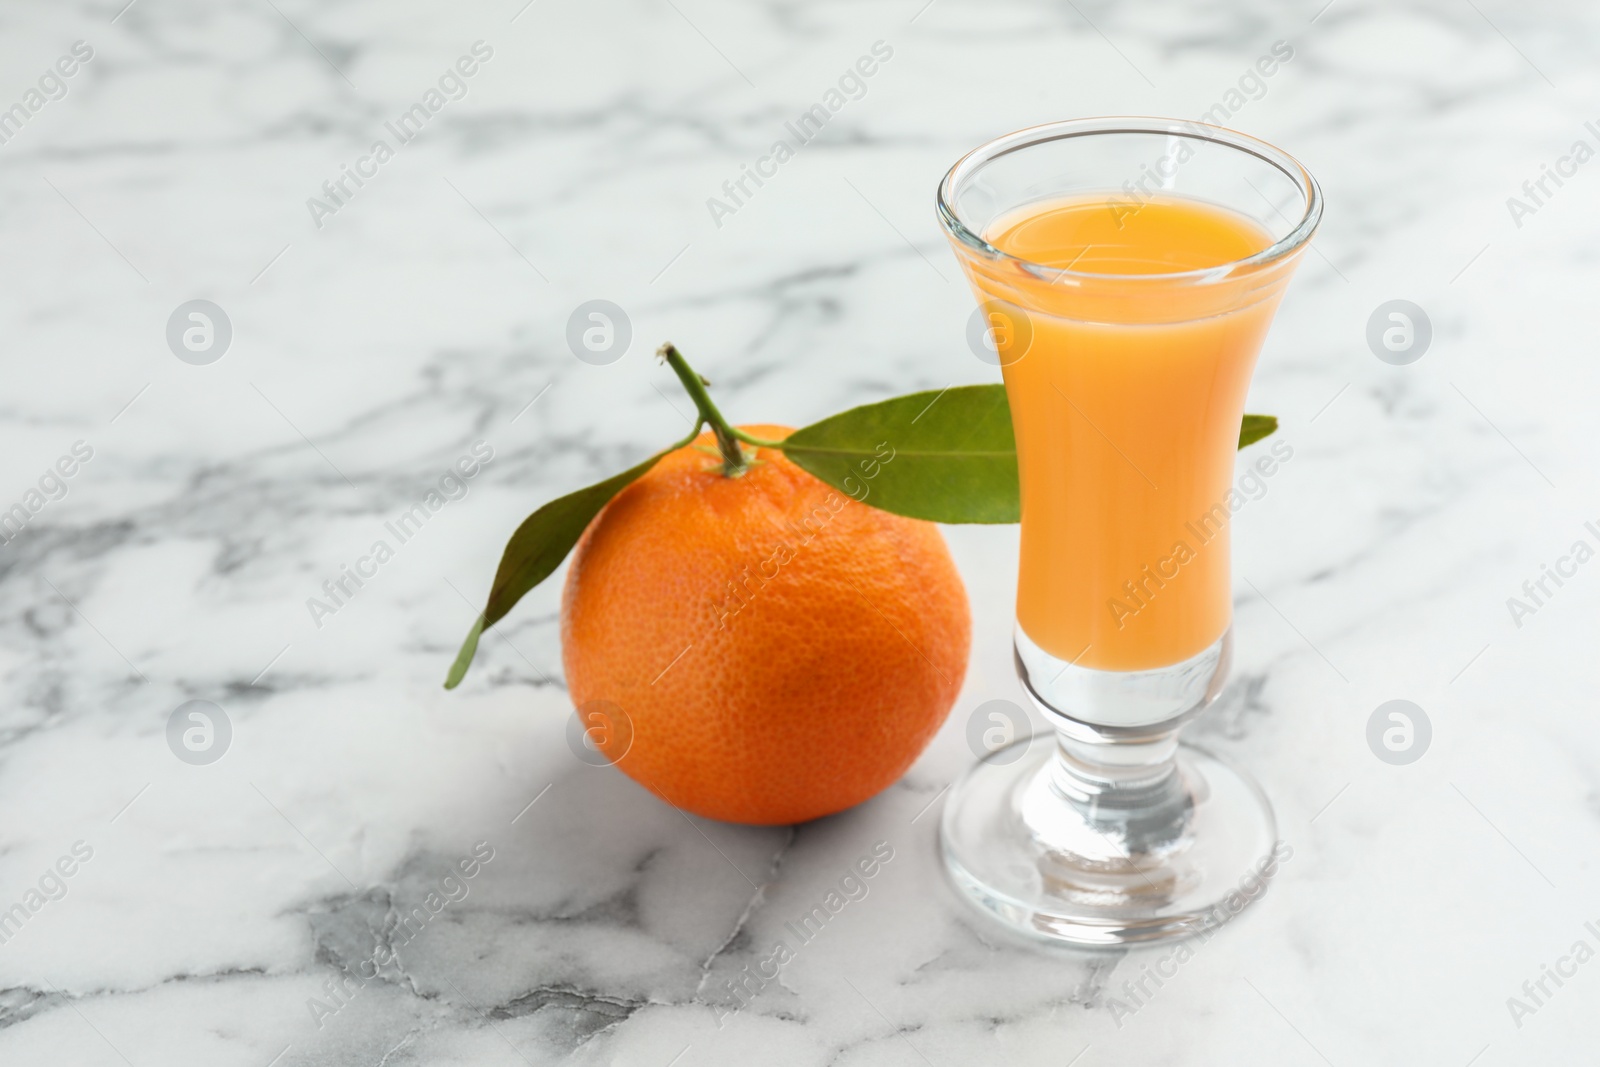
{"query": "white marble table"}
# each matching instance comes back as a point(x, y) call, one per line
point(209, 908)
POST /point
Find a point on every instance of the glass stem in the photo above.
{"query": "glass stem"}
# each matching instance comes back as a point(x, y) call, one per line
point(1128, 790)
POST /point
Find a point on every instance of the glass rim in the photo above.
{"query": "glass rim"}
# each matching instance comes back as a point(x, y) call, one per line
point(1031, 136)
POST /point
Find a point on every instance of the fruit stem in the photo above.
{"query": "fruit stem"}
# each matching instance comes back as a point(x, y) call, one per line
point(734, 462)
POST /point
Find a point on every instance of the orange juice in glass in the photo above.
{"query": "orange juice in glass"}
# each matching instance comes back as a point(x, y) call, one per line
point(1126, 431)
point(1130, 269)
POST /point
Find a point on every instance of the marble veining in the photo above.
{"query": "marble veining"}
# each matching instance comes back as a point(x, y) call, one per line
point(223, 908)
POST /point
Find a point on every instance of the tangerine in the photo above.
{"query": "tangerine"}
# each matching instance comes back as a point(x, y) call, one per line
point(779, 651)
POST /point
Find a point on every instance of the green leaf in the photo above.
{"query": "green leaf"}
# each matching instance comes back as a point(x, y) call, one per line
point(469, 648)
point(945, 456)
point(1256, 427)
point(537, 549)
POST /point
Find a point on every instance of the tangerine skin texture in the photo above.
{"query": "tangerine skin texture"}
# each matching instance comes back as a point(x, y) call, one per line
point(782, 652)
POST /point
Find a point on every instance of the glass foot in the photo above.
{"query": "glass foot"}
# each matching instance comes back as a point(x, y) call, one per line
point(1023, 842)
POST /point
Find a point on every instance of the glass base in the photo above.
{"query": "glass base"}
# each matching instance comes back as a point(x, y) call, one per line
point(1026, 854)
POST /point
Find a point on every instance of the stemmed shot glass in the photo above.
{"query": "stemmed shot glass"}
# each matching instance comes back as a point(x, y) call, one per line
point(1129, 269)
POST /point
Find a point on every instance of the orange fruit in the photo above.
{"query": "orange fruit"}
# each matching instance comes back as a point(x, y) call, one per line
point(778, 650)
